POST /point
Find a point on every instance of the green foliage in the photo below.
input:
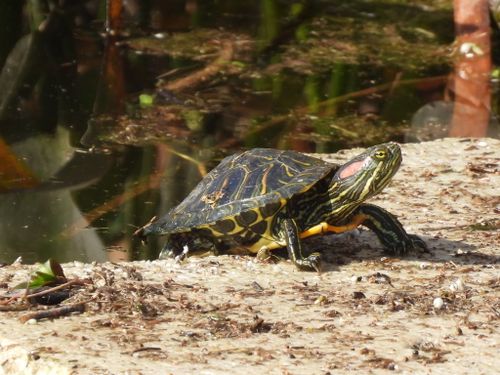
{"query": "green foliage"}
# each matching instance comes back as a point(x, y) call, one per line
point(49, 273)
point(146, 100)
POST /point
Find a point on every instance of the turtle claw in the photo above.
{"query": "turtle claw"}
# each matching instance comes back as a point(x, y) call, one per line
point(418, 243)
point(166, 254)
point(315, 260)
point(264, 254)
point(312, 262)
point(411, 242)
point(170, 253)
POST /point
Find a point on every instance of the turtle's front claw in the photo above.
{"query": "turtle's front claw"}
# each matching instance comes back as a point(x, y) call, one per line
point(312, 262)
point(316, 262)
point(418, 243)
point(410, 242)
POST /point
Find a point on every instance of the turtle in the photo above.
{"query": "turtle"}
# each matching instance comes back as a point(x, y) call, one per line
point(263, 199)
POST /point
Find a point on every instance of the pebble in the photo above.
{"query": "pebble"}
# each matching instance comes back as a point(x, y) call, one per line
point(321, 300)
point(392, 366)
point(457, 285)
point(251, 265)
point(213, 270)
point(358, 295)
point(356, 279)
point(438, 303)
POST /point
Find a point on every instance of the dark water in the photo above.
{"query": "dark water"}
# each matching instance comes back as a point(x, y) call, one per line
point(84, 164)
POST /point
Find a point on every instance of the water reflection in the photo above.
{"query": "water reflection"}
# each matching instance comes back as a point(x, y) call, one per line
point(218, 76)
point(33, 218)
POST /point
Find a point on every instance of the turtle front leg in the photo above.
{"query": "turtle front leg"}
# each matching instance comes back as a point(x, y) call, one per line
point(291, 234)
point(389, 230)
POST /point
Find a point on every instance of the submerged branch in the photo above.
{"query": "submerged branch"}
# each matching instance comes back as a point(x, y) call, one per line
point(225, 56)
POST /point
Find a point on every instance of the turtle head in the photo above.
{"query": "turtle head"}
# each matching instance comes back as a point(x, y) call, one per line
point(368, 173)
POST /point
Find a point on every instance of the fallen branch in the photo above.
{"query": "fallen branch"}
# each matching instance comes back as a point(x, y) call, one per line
point(21, 307)
point(53, 313)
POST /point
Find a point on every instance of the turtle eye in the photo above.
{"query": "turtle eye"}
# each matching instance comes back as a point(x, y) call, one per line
point(380, 154)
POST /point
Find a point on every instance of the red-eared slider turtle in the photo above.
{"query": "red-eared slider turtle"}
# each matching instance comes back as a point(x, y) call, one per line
point(263, 199)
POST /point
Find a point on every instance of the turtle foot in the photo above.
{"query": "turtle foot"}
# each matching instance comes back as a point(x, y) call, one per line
point(311, 263)
point(411, 242)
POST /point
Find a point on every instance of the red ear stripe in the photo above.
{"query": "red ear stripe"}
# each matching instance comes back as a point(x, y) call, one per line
point(350, 169)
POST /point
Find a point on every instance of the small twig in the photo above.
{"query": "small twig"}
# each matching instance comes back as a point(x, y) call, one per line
point(8, 300)
point(201, 167)
point(495, 311)
point(26, 296)
point(53, 313)
point(27, 290)
point(5, 307)
point(145, 349)
point(54, 289)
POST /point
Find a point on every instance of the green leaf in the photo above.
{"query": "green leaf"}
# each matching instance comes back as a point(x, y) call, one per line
point(48, 273)
point(238, 64)
point(146, 100)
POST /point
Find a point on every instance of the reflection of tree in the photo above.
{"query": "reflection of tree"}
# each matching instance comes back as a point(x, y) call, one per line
point(471, 84)
point(33, 221)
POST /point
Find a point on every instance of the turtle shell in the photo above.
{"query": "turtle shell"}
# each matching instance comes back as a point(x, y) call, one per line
point(243, 182)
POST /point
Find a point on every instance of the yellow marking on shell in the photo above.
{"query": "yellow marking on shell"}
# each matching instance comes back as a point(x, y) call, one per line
point(266, 238)
point(266, 157)
point(244, 181)
point(237, 228)
point(287, 170)
point(263, 190)
point(282, 182)
point(302, 162)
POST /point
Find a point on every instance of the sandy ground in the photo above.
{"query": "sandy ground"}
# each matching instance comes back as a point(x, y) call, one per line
point(433, 313)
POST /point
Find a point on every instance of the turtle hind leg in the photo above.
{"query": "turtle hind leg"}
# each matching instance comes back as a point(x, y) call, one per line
point(180, 245)
point(294, 247)
point(389, 230)
point(174, 248)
